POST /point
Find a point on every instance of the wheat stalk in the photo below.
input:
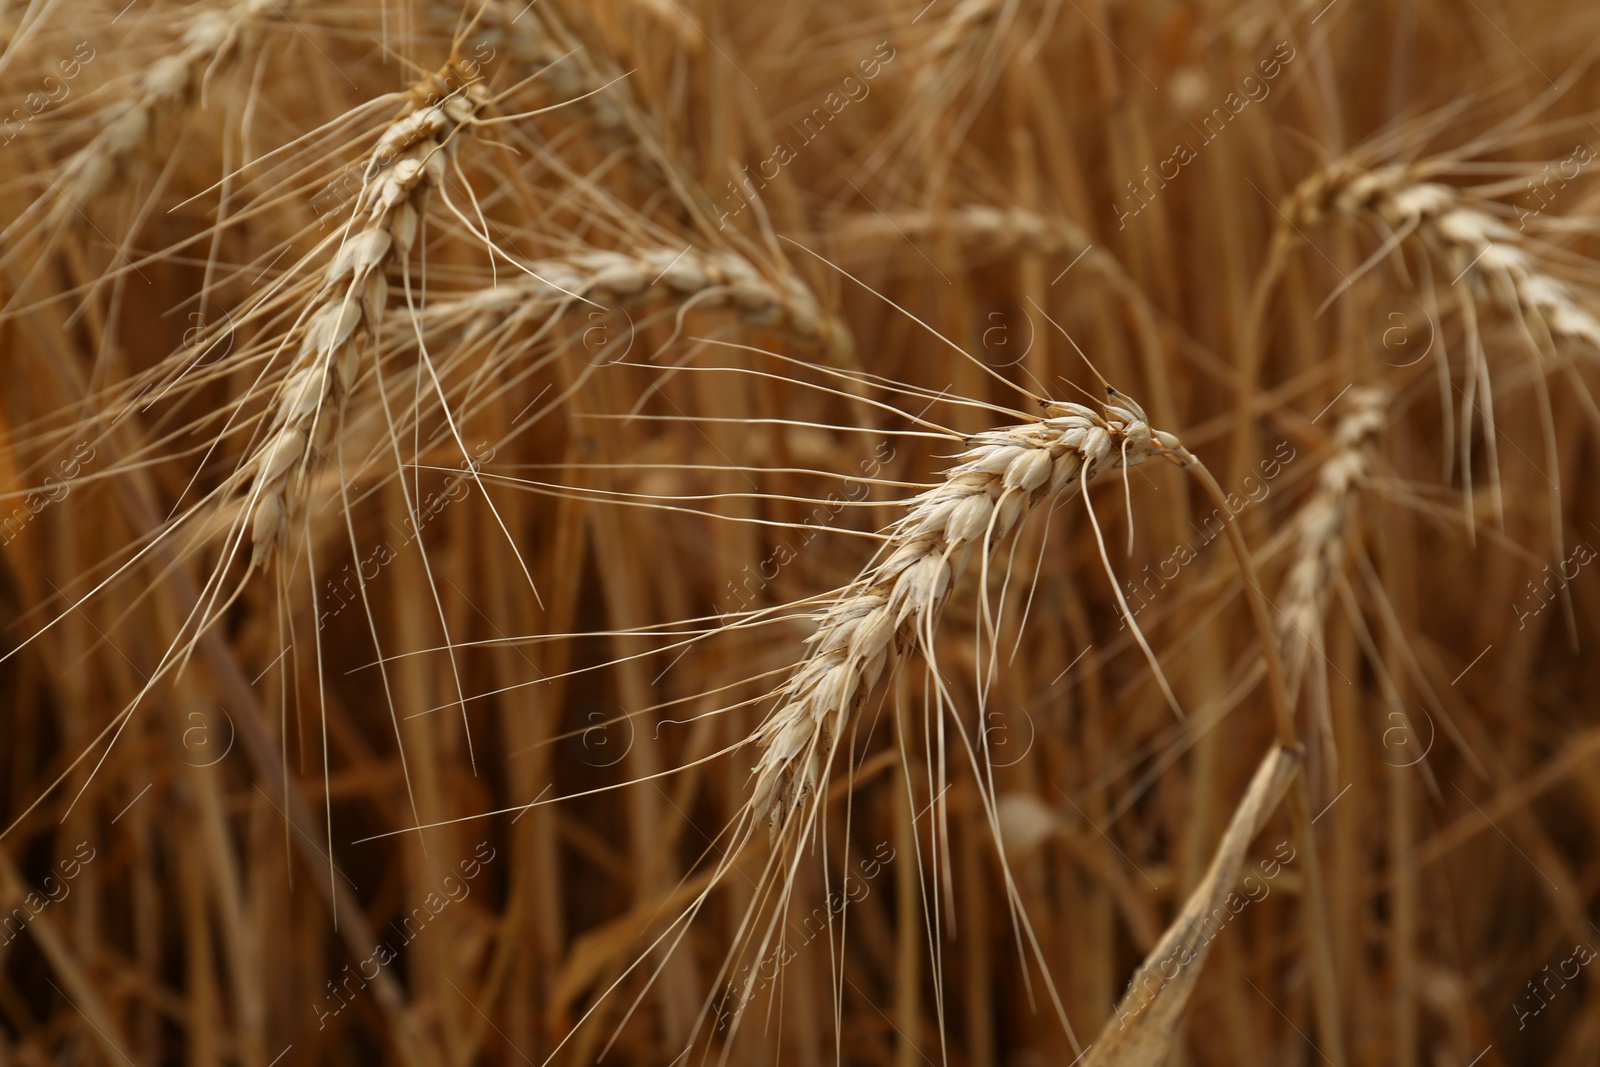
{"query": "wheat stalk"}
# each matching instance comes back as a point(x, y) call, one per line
point(1144, 1025)
point(894, 604)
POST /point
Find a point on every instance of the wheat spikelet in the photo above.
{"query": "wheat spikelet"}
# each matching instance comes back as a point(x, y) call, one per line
point(894, 604)
point(348, 305)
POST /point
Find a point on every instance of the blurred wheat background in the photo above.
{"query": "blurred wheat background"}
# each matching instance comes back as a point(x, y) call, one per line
point(430, 433)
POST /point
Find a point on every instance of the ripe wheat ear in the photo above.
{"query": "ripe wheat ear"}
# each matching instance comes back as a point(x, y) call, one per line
point(1546, 294)
point(894, 605)
point(348, 307)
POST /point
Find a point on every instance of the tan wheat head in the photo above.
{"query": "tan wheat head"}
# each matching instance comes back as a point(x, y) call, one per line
point(347, 308)
point(895, 603)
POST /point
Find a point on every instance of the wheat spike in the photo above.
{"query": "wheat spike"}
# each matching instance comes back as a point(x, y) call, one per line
point(983, 228)
point(695, 278)
point(594, 85)
point(597, 87)
point(969, 19)
point(1321, 522)
point(348, 305)
point(161, 92)
point(894, 604)
point(1460, 231)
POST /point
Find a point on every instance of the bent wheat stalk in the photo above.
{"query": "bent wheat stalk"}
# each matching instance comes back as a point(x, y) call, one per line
point(1145, 1024)
point(895, 603)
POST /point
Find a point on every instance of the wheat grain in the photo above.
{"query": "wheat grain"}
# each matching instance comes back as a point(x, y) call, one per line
point(893, 605)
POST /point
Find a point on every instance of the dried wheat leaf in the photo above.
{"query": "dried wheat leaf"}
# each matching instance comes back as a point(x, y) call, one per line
point(1142, 1030)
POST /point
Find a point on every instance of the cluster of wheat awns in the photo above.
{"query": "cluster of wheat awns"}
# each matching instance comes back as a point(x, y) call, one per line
point(564, 532)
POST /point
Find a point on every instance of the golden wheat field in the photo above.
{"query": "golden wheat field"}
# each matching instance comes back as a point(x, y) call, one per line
point(987, 533)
